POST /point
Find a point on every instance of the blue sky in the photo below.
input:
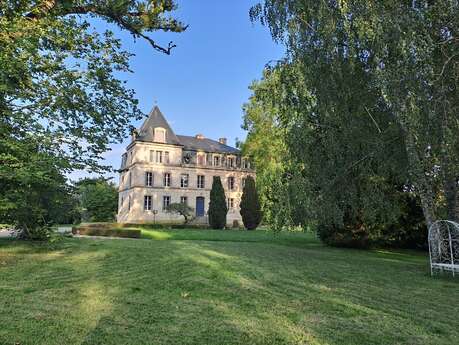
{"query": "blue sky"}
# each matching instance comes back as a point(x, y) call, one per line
point(202, 86)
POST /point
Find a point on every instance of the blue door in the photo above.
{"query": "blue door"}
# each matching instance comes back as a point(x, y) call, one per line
point(199, 206)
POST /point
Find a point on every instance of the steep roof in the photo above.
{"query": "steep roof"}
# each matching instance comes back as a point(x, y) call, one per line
point(209, 145)
point(156, 119)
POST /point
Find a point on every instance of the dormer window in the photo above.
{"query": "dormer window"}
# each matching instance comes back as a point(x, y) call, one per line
point(160, 135)
point(201, 158)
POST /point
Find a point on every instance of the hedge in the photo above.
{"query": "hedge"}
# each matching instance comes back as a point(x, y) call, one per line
point(92, 231)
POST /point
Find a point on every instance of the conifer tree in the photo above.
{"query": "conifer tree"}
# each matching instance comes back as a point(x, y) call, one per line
point(217, 206)
point(250, 205)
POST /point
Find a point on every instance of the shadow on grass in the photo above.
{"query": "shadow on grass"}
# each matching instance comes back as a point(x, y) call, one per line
point(188, 292)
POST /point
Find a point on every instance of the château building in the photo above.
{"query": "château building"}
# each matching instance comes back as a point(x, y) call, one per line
point(160, 168)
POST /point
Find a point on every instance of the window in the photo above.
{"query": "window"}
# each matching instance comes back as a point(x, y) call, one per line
point(230, 203)
point(152, 156)
point(216, 161)
point(159, 156)
point(166, 157)
point(245, 163)
point(184, 200)
point(130, 157)
point(122, 202)
point(231, 183)
point(149, 179)
point(130, 179)
point(167, 180)
point(122, 178)
point(201, 158)
point(243, 182)
point(147, 201)
point(129, 203)
point(166, 201)
point(184, 180)
point(201, 181)
point(231, 162)
point(160, 135)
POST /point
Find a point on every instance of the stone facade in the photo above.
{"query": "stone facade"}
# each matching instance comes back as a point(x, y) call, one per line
point(160, 167)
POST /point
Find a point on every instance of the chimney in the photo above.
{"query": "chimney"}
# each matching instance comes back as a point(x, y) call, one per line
point(199, 136)
point(222, 141)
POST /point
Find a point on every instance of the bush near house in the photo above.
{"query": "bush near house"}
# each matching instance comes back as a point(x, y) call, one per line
point(105, 229)
point(250, 205)
point(183, 210)
point(217, 206)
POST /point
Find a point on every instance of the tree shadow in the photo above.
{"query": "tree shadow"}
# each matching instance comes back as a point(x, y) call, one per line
point(191, 292)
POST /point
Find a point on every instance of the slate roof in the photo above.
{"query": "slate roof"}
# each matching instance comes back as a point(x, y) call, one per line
point(209, 145)
point(156, 119)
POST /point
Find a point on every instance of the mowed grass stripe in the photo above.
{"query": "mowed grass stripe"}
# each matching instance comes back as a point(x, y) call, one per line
point(216, 292)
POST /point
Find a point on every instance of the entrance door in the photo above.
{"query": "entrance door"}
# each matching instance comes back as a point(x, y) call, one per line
point(199, 206)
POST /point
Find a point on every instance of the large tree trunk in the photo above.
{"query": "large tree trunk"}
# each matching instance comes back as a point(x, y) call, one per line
point(420, 179)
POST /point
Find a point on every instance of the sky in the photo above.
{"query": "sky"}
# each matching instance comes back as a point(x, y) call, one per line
point(202, 86)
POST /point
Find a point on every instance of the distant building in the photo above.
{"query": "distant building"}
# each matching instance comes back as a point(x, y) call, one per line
point(159, 168)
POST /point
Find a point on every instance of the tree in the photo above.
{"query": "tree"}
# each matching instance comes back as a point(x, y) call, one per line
point(34, 194)
point(98, 199)
point(59, 80)
point(182, 209)
point(391, 63)
point(250, 205)
point(217, 205)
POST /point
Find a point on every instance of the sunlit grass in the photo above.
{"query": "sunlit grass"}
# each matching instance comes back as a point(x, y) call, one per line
point(220, 287)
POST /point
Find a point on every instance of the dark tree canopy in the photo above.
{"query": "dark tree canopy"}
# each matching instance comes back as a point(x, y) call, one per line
point(217, 205)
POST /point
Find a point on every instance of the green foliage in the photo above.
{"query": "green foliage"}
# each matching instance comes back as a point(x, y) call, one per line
point(34, 194)
point(98, 199)
point(217, 205)
point(250, 205)
point(364, 99)
point(182, 209)
point(61, 100)
point(267, 148)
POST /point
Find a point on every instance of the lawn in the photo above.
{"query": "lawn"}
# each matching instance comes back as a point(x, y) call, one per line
point(220, 287)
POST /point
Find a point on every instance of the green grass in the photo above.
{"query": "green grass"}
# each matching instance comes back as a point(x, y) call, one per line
point(220, 287)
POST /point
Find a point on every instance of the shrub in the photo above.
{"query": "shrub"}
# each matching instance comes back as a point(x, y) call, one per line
point(250, 205)
point(350, 236)
point(408, 230)
point(37, 233)
point(103, 231)
point(183, 210)
point(217, 206)
point(163, 226)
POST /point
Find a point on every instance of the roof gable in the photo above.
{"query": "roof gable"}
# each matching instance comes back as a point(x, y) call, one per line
point(156, 119)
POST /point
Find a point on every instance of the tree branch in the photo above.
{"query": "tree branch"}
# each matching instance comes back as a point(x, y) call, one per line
point(52, 6)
